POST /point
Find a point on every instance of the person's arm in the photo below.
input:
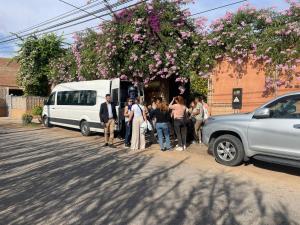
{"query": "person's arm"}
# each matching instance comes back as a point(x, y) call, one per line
point(126, 112)
point(197, 110)
point(144, 114)
point(171, 103)
point(131, 114)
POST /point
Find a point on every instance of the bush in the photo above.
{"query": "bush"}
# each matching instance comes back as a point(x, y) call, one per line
point(37, 111)
point(27, 118)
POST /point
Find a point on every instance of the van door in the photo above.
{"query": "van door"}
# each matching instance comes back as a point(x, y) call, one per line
point(51, 107)
point(115, 96)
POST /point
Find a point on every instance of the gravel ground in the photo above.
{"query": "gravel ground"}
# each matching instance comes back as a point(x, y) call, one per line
point(56, 176)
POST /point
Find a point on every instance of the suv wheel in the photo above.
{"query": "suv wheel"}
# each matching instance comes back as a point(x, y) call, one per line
point(228, 150)
point(85, 128)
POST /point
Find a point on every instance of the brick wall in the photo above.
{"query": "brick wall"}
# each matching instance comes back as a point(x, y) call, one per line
point(225, 78)
point(8, 73)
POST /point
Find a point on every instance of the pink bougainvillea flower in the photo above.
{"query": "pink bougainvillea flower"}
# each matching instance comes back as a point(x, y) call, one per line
point(123, 77)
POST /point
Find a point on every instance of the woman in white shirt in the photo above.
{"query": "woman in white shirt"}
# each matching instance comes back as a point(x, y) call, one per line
point(137, 116)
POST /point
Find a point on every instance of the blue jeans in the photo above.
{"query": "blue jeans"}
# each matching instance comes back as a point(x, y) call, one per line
point(163, 130)
point(128, 133)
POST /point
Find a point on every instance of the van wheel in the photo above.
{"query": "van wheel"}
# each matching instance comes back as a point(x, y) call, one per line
point(46, 122)
point(228, 150)
point(85, 128)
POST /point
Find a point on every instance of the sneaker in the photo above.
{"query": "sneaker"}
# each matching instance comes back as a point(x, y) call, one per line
point(105, 145)
point(127, 145)
point(169, 149)
point(184, 147)
point(179, 149)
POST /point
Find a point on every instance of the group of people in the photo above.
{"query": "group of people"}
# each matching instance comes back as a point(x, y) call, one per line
point(159, 119)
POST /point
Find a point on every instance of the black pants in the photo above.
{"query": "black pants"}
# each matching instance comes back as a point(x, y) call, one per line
point(180, 129)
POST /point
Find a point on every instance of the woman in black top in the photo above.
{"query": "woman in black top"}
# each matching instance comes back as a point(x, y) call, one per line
point(161, 113)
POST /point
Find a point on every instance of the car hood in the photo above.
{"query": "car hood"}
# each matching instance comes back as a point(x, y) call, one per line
point(243, 116)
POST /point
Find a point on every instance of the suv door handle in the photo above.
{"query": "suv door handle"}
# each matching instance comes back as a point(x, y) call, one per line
point(297, 126)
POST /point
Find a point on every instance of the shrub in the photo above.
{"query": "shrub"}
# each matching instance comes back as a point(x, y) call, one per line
point(37, 111)
point(27, 118)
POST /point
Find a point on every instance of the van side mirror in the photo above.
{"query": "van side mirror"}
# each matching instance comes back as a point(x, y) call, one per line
point(262, 113)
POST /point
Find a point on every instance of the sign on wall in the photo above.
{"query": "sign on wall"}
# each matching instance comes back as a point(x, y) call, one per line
point(237, 94)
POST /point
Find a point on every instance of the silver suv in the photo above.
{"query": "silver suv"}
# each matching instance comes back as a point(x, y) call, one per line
point(270, 133)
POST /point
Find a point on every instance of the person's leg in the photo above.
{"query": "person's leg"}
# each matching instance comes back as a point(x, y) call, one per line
point(135, 134)
point(106, 130)
point(200, 131)
point(183, 135)
point(127, 133)
point(197, 129)
point(159, 130)
point(178, 133)
point(142, 139)
point(111, 130)
point(166, 131)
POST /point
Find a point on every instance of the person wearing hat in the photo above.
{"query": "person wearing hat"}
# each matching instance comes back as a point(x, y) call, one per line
point(108, 116)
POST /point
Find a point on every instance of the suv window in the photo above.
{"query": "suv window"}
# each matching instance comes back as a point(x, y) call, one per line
point(51, 100)
point(285, 108)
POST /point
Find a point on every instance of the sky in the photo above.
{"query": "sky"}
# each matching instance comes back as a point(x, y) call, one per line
point(17, 15)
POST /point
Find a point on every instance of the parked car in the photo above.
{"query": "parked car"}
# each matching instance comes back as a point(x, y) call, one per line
point(270, 133)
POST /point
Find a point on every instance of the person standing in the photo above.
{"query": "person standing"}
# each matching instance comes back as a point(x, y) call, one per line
point(205, 110)
point(161, 113)
point(127, 111)
point(137, 117)
point(179, 111)
point(191, 125)
point(108, 116)
point(198, 115)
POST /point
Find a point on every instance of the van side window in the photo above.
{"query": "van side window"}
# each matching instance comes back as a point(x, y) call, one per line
point(51, 100)
point(87, 98)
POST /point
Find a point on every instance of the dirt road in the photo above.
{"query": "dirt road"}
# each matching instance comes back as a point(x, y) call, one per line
point(56, 176)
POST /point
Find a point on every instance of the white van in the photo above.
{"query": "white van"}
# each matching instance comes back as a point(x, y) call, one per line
point(77, 104)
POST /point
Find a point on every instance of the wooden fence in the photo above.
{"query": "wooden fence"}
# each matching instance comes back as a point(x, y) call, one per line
point(18, 105)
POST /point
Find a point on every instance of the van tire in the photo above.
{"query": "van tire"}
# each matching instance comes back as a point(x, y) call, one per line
point(46, 122)
point(228, 150)
point(85, 128)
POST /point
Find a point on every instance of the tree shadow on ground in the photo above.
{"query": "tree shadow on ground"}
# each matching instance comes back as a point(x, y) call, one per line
point(50, 180)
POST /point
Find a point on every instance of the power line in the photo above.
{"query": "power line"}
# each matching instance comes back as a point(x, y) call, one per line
point(219, 7)
point(54, 19)
point(82, 9)
point(72, 20)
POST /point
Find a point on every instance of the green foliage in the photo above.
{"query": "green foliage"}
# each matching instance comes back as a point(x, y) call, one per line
point(34, 57)
point(199, 85)
point(37, 111)
point(26, 118)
